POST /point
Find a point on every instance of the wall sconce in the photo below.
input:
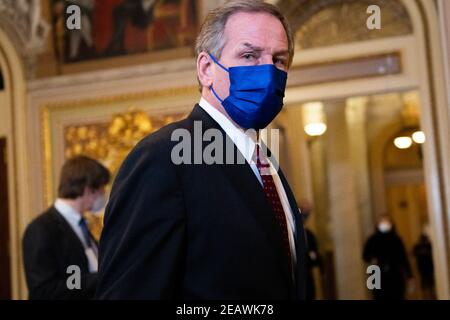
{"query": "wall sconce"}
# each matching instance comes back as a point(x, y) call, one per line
point(419, 137)
point(315, 129)
point(314, 119)
point(403, 142)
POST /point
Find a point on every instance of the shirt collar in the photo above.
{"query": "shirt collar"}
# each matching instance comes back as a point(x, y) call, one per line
point(69, 213)
point(245, 140)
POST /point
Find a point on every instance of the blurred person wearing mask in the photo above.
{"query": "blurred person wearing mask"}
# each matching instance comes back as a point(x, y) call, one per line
point(386, 250)
point(59, 237)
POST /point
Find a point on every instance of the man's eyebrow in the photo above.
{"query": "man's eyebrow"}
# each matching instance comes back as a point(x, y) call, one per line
point(251, 46)
point(259, 49)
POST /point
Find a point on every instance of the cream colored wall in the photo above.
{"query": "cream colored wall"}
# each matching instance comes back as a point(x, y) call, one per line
point(444, 28)
point(358, 123)
point(14, 112)
point(343, 204)
point(293, 155)
point(5, 114)
point(6, 132)
point(436, 124)
point(384, 112)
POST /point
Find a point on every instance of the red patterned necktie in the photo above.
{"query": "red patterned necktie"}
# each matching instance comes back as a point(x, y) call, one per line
point(272, 196)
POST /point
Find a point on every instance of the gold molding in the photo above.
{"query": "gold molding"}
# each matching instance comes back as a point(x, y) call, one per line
point(92, 65)
point(45, 111)
point(47, 154)
point(89, 102)
point(353, 57)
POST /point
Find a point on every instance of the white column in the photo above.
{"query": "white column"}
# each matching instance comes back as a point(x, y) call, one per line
point(356, 112)
point(343, 207)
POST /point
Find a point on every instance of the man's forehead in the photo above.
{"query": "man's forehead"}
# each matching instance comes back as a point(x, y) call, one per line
point(253, 30)
point(248, 22)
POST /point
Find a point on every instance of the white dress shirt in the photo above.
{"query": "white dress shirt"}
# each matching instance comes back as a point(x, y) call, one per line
point(246, 142)
point(73, 218)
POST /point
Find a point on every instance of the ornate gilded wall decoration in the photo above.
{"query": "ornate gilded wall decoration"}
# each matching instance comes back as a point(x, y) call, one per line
point(111, 142)
point(26, 27)
point(320, 23)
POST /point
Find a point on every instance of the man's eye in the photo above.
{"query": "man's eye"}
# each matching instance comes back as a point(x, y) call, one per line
point(279, 61)
point(248, 56)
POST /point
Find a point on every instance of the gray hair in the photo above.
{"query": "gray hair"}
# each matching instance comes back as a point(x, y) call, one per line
point(211, 37)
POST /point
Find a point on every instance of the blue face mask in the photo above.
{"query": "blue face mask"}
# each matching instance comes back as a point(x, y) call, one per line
point(256, 94)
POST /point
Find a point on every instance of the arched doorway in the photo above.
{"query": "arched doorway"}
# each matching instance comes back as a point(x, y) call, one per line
point(407, 60)
point(23, 35)
point(13, 133)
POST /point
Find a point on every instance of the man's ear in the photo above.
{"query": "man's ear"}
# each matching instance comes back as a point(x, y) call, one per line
point(204, 69)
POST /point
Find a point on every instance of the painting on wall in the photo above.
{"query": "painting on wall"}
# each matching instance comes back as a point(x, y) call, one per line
point(111, 28)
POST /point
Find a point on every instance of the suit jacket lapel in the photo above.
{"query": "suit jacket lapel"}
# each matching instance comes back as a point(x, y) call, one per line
point(244, 180)
point(76, 246)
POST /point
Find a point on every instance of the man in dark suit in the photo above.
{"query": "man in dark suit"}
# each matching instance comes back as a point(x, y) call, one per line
point(58, 239)
point(189, 220)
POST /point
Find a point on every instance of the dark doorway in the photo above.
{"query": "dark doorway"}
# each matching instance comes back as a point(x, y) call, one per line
point(2, 83)
point(5, 272)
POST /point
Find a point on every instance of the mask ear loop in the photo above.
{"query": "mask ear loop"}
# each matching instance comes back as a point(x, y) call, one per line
point(220, 65)
point(217, 62)
point(215, 93)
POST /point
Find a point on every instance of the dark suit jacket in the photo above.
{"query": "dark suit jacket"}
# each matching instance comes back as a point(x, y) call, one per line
point(193, 231)
point(49, 247)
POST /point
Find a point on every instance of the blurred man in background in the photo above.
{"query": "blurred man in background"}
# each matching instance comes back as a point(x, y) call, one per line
point(59, 238)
